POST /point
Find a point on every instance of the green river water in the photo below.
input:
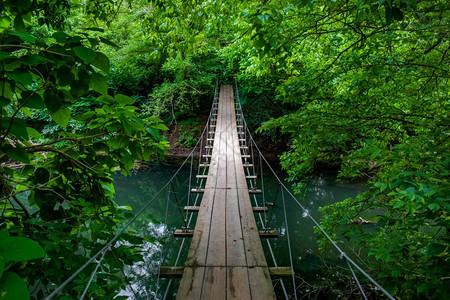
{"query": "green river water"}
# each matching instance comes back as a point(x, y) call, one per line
point(158, 225)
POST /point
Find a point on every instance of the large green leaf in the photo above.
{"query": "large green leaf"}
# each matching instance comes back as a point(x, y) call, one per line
point(4, 101)
point(434, 249)
point(108, 42)
point(32, 100)
point(2, 266)
point(65, 75)
point(23, 77)
point(18, 127)
point(17, 154)
point(154, 132)
point(86, 54)
point(4, 23)
point(34, 133)
point(53, 100)
point(160, 127)
point(7, 89)
point(18, 248)
point(122, 99)
point(98, 83)
point(41, 175)
point(12, 287)
point(118, 142)
point(60, 36)
point(102, 62)
point(33, 59)
point(24, 36)
point(62, 116)
point(4, 55)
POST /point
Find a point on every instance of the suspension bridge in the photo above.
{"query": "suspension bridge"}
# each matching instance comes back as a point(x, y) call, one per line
point(225, 258)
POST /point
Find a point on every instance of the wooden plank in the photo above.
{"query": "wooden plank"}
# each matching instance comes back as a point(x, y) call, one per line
point(191, 283)
point(216, 245)
point(170, 272)
point(255, 191)
point(214, 283)
point(279, 272)
point(199, 244)
point(235, 276)
point(259, 209)
point(268, 234)
point(259, 278)
point(235, 239)
point(226, 247)
point(192, 208)
point(184, 233)
point(253, 248)
point(238, 286)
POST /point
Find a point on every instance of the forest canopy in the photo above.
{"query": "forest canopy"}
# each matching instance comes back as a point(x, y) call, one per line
point(87, 85)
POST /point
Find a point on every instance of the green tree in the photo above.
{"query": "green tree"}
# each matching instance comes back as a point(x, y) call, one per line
point(369, 81)
point(56, 189)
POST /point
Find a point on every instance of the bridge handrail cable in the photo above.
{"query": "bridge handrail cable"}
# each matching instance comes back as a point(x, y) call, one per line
point(343, 255)
point(131, 221)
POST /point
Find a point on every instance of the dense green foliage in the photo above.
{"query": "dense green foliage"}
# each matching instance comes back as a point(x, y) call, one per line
point(358, 84)
point(371, 87)
point(61, 193)
point(362, 85)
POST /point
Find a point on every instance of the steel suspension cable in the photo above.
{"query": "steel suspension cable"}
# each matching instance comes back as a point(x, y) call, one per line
point(274, 203)
point(132, 220)
point(341, 252)
point(253, 186)
point(123, 273)
point(357, 281)
point(190, 184)
point(178, 203)
point(93, 275)
point(161, 254)
point(263, 194)
point(181, 248)
point(270, 246)
point(289, 244)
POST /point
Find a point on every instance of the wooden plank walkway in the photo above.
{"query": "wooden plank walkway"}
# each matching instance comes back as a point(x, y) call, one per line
point(226, 259)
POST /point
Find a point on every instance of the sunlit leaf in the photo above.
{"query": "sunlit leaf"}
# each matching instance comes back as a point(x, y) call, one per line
point(62, 116)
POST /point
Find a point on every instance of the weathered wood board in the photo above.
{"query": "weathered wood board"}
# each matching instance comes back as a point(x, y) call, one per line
point(226, 258)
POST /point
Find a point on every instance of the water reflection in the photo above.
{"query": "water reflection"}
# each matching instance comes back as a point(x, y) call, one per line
point(142, 271)
point(136, 189)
